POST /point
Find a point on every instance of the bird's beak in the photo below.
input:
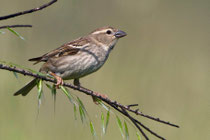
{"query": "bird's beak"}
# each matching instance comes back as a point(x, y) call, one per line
point(119, 34)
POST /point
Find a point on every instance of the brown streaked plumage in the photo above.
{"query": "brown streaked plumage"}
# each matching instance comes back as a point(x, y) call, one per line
point(66, 49)
point(77, 58)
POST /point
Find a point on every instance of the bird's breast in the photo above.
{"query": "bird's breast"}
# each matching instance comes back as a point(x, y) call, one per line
point(84, 63)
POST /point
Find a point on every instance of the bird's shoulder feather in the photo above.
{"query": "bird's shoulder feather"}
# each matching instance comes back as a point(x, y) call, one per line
point(70, 48)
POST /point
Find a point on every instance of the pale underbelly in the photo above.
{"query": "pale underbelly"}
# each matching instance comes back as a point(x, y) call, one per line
point(79, 72)
point(80, 67)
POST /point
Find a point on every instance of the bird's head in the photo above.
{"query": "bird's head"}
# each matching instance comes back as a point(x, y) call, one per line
point(107, 36)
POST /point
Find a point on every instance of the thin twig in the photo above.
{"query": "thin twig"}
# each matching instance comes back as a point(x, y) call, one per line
point(27, 11)
point(14, 26)
point(125, 113)
point(132, 105)
point(153, 133)
point(137, 126)
point(136, 122)
point(141, 131)
point(117, 106)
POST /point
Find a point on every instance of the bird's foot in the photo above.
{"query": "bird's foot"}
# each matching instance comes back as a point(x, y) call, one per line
point(58, 79)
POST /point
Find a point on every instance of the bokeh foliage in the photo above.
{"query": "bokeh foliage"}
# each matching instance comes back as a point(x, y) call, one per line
point(163, 65)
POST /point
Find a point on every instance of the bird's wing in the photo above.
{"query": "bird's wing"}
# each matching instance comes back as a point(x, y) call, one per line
point(70, 48)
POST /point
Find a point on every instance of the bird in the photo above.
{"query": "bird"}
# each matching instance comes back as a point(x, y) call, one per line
point(78, 58)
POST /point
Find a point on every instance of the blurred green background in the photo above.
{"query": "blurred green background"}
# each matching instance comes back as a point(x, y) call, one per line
point(163, 65)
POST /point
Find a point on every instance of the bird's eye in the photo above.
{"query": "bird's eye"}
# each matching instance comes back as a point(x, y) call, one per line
point(108, 32)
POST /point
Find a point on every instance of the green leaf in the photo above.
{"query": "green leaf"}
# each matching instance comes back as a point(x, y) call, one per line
point(102, 123)
point(120, 125)
point(100, 102)
point(138, 136)
point(49, 86)
point(52, 88)
point(72, 100)
point(97, 100)
point(93, 132)
point(75, 112)
point(82, 109)
point(53, 91)
point(40, 92)
point(65, 91)
point(15, 74)
point(107, 120)
point(82, 114)
point(126, 130)
point(22, 67)
point(16, 33)
point(104, 106)
point(81, 104)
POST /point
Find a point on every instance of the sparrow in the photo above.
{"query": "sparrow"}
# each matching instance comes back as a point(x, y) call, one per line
point(78, 58)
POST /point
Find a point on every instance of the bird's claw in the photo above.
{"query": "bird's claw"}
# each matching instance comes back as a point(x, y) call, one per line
point(58, 79)
point(59, 82)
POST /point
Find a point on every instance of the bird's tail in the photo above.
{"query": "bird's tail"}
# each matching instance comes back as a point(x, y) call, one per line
point(27, 88)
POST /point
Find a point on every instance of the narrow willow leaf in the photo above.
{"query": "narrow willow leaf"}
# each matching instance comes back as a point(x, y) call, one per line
point(22, 67)
point(15, 74)
point(93, 132)
point(53, 90)
point(49, 86)
point(81, 104)
point(40, 92)
point(16, 33)
point(38, 73)
point(65, 91)
point(81, 113)
point(39, 89)
point(97, 100)
point(102, 123)
point(120, 125)
point(126, 130)
point(138, 136)
point(107, 120)
point(82, 109)
point(12, 64)
point(75, 112)
point(104, 106)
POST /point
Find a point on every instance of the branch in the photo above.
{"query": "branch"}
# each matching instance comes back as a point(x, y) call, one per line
point(123, 109)
point(27, 11)
point(14, 26)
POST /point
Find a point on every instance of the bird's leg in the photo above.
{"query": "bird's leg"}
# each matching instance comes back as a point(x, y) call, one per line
point(58, 79)
point(76, 82)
